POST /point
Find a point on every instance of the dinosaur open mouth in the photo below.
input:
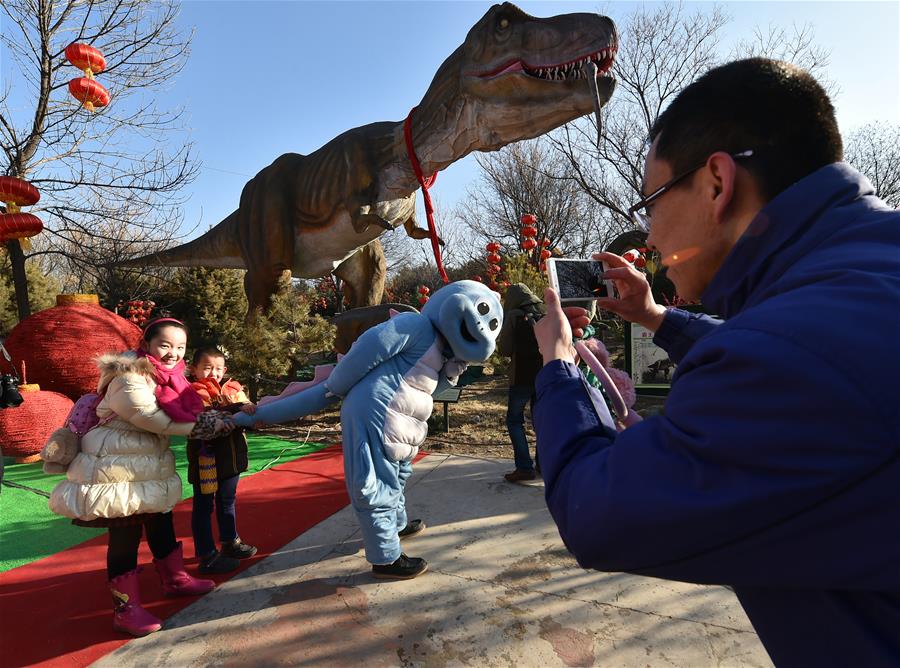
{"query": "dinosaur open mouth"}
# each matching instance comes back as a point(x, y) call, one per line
point(571, 70)
point(574, 69)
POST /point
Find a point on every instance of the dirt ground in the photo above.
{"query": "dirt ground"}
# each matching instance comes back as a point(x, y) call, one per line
point(477, 422)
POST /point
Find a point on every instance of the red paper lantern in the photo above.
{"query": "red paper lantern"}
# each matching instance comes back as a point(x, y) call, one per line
point(492, 286)
point(89, 92)
point(493, 258)
point(545, 254)
point(25, 428)
point(543, 266)
point(85, 57)
point(530, 232)
point(423, 290)
point(529, 244)
point(476, 278)
point(17, 192)
point(493, 247)
point(19, 226)
point(423, 299)
point(493, 269)
point(529, 219)
point(60, 344)
point(545, 242)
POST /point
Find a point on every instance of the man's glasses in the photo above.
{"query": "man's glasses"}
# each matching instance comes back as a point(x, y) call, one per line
point(642, 218)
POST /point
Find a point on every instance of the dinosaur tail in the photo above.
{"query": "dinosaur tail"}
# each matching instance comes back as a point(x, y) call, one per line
point(217, 248)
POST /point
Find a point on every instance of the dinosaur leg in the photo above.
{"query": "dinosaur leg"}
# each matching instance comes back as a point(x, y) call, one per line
point(363, 274)
point(260, 284)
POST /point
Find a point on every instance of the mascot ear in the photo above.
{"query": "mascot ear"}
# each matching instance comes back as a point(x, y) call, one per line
point(392, 312)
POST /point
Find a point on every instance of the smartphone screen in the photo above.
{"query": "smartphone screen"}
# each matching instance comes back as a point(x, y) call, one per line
point(578, 280)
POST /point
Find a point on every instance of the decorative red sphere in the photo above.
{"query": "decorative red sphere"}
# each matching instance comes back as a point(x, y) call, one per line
point(25, 428)
point(493, 258)
point(19, 226)
point(59, 344)
point(89, 92)
point(493, 247)
point(86, 57)
point(529, 219)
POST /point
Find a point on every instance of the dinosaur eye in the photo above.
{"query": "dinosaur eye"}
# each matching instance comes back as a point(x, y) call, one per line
point(503, 23)
point(483, 308)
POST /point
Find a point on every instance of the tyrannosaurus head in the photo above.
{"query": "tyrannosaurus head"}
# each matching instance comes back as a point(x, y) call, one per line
point(469, 316)
point(529, 75)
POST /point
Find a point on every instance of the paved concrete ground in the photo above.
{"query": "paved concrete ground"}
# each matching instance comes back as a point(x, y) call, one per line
point(501, 590)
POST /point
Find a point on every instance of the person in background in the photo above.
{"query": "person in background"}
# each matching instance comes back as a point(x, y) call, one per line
point(521, 309)
point(775, 466)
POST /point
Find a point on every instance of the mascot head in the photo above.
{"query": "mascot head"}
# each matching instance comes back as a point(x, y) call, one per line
point(468, 315)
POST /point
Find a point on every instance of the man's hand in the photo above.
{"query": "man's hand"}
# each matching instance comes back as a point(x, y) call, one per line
point(635, 301)
point(553, 332)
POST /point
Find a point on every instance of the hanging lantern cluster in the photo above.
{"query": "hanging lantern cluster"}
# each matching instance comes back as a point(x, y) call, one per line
point(529, 232)
point(86, 89)
point(493, 264)
point(14, 224)
point(136, 310)
point(635, 257)
point(423, 294)
point(546, 254)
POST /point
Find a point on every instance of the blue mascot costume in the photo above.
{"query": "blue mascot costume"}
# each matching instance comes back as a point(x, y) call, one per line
point(386, 381)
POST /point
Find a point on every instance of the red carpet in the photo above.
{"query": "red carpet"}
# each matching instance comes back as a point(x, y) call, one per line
point(57, 611)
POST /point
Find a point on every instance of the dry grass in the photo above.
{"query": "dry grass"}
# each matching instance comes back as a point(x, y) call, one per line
point(477, 422)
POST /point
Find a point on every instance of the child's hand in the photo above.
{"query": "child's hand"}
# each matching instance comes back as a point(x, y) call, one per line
point(249, 408)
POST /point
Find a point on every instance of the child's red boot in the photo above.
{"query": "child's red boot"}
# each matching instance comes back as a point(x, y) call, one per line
point(128, 615)
point(175, 580)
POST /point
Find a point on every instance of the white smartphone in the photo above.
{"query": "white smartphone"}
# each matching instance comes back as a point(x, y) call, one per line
point(579, 280)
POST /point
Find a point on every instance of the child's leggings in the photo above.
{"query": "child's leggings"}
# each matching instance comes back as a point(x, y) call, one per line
point(122, 554)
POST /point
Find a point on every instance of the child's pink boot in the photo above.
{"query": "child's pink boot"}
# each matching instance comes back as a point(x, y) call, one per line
point(128, 615)
point(175, 580)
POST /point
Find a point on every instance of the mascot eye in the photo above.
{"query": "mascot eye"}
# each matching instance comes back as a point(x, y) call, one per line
point(494, 324)
point(483, 308)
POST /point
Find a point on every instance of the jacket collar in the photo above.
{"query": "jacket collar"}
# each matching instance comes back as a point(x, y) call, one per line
point(779, 235)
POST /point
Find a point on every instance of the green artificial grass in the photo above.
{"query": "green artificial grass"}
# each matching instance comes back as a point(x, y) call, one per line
point(29, 531)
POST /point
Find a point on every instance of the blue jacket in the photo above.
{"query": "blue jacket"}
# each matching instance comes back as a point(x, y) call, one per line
point(775, 468)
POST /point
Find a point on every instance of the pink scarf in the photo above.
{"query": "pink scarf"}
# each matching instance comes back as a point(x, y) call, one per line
point(174, 393)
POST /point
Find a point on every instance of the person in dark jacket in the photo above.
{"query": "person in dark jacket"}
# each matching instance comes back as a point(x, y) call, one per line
point(775, 467)
point(521, 309)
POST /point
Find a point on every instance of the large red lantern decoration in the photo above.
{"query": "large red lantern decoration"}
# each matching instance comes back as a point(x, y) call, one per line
point(60, 344)
point(25, 428)
point(14, 224)
point(85, 89)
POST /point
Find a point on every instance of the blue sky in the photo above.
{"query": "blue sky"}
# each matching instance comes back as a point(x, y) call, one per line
point(267, 78)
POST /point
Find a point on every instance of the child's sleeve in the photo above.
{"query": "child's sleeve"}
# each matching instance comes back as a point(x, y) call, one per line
point(131, 398)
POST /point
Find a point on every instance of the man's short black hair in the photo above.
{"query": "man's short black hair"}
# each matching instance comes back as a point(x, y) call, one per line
point(777, 110)
point(208, 351)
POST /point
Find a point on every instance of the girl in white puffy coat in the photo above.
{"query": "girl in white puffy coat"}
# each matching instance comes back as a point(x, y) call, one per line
point(124, 477)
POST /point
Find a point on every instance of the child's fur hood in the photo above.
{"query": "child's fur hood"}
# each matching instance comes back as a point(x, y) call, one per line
point(112, 365)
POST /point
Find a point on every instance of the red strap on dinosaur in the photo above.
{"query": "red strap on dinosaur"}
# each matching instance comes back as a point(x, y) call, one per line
point(426, 184)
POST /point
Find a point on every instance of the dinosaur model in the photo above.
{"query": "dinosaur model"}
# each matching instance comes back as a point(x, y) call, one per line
point(386, 381)
point(515, 77)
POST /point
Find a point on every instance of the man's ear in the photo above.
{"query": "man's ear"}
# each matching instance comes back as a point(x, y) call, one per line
point(723, 173)
point(224, 370)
